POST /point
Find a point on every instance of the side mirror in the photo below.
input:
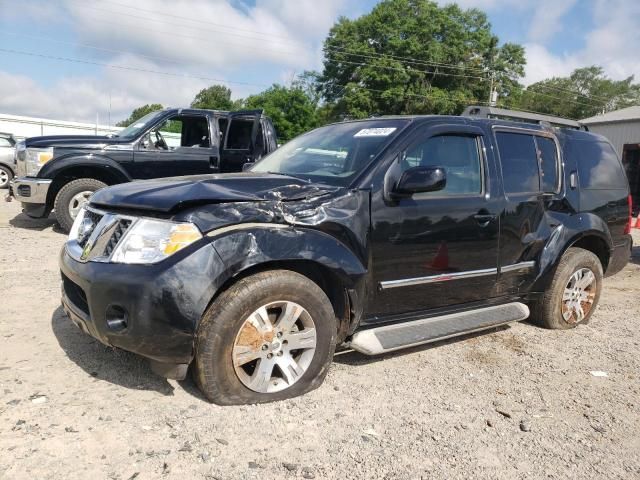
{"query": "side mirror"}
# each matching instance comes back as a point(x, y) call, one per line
point(420, 180)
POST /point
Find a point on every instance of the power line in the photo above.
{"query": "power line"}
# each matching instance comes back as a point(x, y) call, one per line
point(124, 67)
point(566, 99)
point(139, 17)
point(196, 20)
point(566, 90)
point(338, 49)
point(201, 39)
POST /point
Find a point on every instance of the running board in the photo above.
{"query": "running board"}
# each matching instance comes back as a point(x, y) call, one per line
point(402, 335)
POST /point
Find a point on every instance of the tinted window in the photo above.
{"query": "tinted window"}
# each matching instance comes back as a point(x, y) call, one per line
point(239, 136)
point(598, 166)
point(519, 162)
point(459, 157)
point(548, 163)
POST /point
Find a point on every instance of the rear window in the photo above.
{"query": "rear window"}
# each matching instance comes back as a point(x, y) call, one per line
point(519, 162)
point(598, 166)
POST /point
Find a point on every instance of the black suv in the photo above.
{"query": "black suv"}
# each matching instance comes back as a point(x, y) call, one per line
point(373, 235)
point(62, 172)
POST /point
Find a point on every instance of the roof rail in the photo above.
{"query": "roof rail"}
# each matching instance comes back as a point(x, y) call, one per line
point(519, 116)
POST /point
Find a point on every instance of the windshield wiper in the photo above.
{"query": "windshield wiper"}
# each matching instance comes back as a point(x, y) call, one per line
point(282, 174)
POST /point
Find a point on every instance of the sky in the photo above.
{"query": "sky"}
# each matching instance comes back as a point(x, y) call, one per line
point(83, 60)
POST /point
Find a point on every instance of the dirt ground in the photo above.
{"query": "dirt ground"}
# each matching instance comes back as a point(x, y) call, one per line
point(519, 402)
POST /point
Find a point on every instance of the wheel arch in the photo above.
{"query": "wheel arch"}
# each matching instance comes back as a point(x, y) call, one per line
point(327, 280)
point(341, 276)
point(594, 240)
point(110, 173)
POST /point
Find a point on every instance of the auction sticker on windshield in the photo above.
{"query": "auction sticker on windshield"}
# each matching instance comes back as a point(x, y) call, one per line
point(375, 132)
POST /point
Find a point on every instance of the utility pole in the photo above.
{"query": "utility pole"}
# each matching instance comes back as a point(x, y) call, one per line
point(493, 94)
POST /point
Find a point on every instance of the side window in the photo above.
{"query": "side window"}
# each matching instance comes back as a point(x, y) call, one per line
point(222, 128)
point(519, 161)
point(598, 166)
point(182, 131)
point(239, 136)
point(549, 164)
point(4, 142)
point(458, 155)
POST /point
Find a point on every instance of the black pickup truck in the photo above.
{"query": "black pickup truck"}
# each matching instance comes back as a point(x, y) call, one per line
point(374, 235)
point(60, 173)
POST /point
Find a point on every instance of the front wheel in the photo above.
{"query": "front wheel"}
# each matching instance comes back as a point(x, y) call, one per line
point(72, 197)
point(269, 337)
point(574, 292)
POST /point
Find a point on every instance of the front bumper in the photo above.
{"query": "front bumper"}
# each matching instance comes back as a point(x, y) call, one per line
point(30, 189)
point(32, 193)
point(150, 310)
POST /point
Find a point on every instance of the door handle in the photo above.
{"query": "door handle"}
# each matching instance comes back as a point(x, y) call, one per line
point(483, 219)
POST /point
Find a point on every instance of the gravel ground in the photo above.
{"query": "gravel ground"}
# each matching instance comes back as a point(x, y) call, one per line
point(517, 402)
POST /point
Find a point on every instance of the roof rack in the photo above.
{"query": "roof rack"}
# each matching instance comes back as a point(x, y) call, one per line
point(519, 116)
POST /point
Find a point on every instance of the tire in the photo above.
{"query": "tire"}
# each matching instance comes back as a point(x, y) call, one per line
point(5, 176)
point(226, 330)
point(552, 310)
point(67, 201)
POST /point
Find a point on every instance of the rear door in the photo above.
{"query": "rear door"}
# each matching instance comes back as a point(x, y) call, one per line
point(531, 172)
point(240, 140)
point(180, 145)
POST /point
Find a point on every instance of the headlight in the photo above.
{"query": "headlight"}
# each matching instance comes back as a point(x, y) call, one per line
point(150, 241)
point(36, 158)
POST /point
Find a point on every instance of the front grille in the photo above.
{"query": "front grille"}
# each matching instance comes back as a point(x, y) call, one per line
point(118, 233)
point(75, 294)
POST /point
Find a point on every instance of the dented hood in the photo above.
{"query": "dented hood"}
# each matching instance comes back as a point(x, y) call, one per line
point(170, 195)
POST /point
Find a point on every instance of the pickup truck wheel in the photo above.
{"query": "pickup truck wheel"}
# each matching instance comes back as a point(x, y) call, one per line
point(72, 197)
point(5, 176)
point(269, 337)
point(574, 292)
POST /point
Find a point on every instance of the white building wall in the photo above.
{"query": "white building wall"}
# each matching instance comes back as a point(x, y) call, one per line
point(618, 133)
point(24, 127)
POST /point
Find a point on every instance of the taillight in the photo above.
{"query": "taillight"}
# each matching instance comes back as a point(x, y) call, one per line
point(627, 229)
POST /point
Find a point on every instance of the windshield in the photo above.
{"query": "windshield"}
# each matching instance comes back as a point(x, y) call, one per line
point(334, 154)
point(139, 125)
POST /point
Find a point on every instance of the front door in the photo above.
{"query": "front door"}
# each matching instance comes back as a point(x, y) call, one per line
point(240, 140)
point(180, 145)
point(439, 248)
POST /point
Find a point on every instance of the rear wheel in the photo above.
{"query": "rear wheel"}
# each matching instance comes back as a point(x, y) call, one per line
point(574, 292)
point(269, 337)
point(5, 176)
point(72, 197)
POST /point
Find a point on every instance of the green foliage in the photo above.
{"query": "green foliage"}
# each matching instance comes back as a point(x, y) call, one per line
point(392, 60)
point(215, 97)
point(290, 108)
point(584, 93)
point(139, 113)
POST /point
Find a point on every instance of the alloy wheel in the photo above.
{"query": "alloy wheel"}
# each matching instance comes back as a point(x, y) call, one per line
point(579, 295)
point(274, 347)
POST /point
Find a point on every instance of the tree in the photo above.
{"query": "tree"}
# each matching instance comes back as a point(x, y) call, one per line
point(584, 93)
point(290, 109)
point(139, 113)
point(215, 97)
point(412, 56)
